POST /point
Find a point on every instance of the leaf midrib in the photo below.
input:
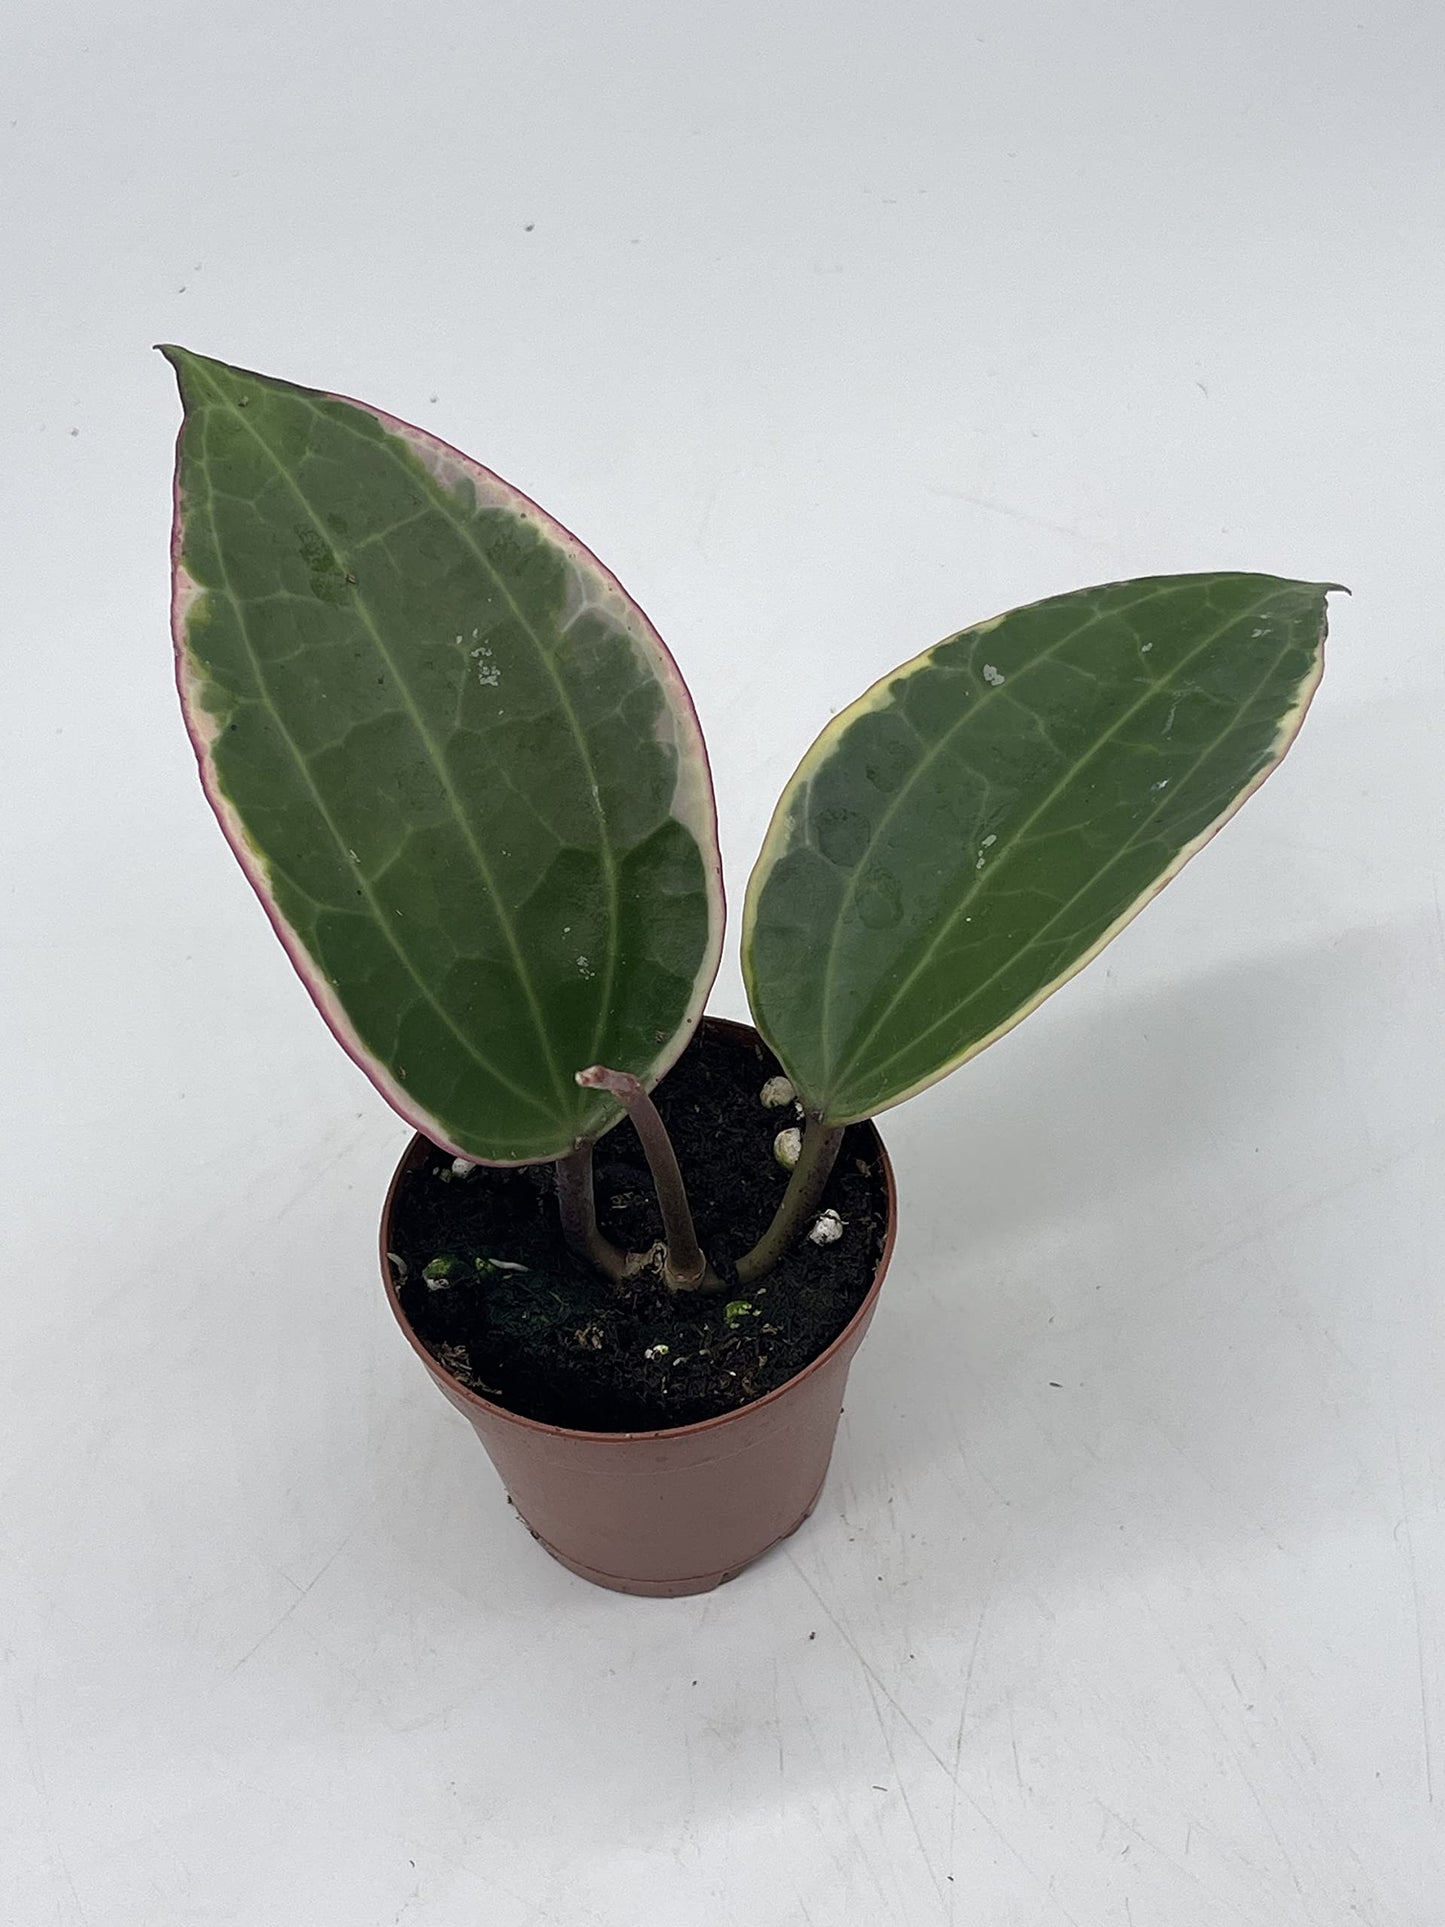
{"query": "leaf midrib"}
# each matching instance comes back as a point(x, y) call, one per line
point(970, 895)
point(441, 498)
point(987, 695)
point(383, 923)
point(1135, 838)
point(433, 753)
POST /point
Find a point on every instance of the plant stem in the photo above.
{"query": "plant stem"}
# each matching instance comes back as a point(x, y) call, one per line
point(578, 1208)
point(684, 1268)
point(800, 1200)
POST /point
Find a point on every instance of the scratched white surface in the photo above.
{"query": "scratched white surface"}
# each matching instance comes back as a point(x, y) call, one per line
point(831, 328)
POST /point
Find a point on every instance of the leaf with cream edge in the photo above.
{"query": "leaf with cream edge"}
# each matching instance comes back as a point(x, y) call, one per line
point(453, 757)
point(980, 823)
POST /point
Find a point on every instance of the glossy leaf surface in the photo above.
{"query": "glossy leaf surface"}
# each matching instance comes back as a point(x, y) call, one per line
point(454, 758)
point(979, 824)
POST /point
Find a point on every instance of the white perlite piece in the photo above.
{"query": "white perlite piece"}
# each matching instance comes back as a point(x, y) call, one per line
point(788, 1147)
point(462, 1167)
point(777, 1092)
point(827, 1228)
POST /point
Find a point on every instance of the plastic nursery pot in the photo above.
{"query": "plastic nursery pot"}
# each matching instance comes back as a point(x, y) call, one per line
point(667, 1512)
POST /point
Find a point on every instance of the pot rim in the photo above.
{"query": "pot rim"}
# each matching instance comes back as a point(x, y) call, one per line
point(699, 1427)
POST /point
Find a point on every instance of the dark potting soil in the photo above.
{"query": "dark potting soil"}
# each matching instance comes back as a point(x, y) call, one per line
point(521, 1320)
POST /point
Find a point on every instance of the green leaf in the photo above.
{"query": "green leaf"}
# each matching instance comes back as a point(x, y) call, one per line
point(983, 821)
point(453, 757)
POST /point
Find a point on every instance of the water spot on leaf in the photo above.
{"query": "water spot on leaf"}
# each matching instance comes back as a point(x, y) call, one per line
point(328, 580)
point(787, 950)
point(880, 904)
point(842, 835)
point(888, 752)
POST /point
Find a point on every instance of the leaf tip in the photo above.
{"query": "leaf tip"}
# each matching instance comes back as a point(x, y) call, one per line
point(183, 365)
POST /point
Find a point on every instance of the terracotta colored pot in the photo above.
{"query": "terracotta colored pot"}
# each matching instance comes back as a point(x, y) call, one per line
point(675, 1511)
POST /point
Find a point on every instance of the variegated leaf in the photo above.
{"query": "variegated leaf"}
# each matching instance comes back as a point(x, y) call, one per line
point(452, 755)
point(982, 822)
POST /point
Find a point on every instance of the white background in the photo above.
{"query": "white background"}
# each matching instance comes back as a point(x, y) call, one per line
point(831, 328)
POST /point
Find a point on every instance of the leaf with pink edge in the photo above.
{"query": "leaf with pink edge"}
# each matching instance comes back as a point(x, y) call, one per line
point(453, 757)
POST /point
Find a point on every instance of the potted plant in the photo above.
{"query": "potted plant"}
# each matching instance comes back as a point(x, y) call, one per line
point(637, 1248)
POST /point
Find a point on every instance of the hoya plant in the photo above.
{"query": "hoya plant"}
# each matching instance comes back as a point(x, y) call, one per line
point(467, 782)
